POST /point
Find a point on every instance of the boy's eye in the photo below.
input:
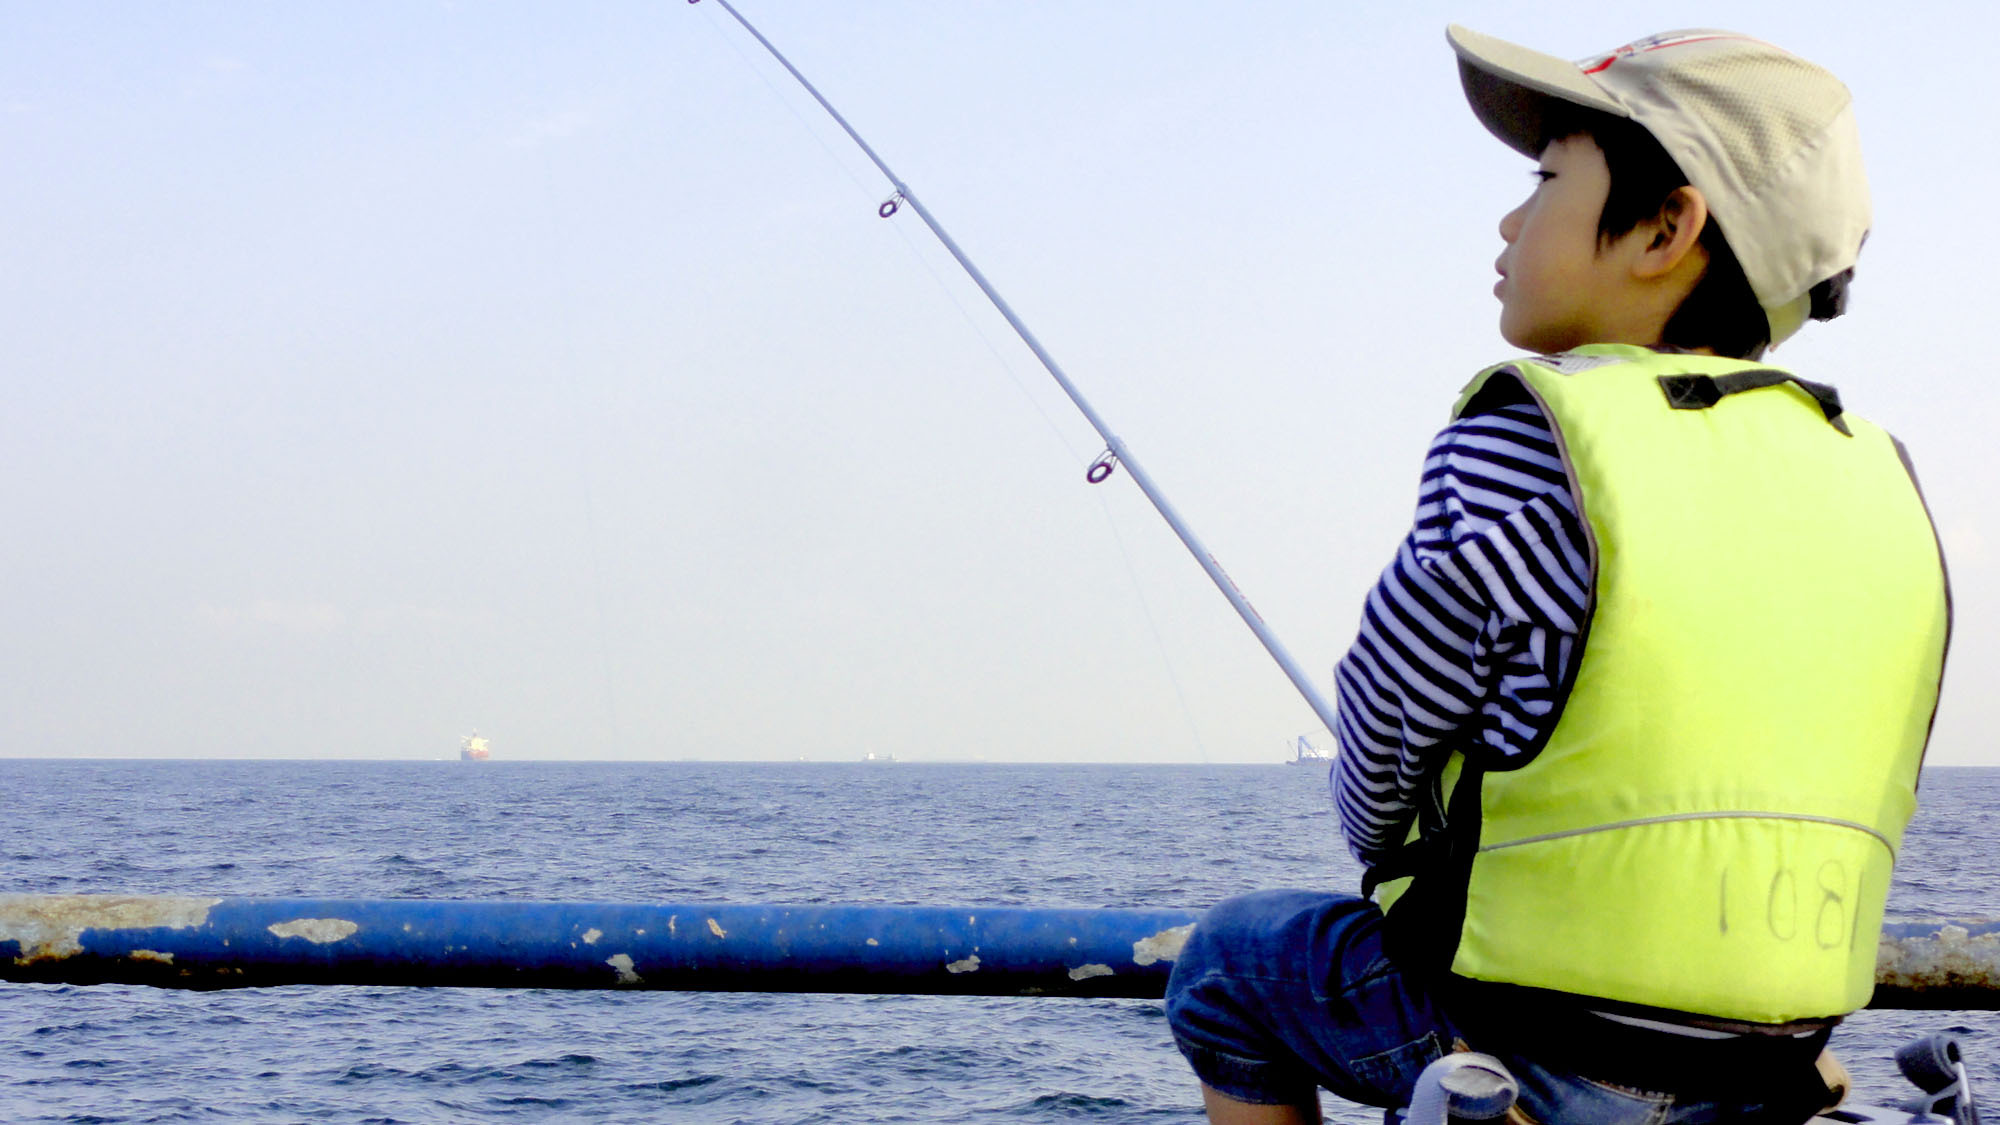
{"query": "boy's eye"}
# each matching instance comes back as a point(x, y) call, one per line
point(1542, 175)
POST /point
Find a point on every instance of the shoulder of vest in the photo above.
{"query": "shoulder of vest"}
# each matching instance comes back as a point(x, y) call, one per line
point(1643, 362)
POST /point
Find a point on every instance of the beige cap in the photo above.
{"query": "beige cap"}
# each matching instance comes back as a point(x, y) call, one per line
point(1766, 137)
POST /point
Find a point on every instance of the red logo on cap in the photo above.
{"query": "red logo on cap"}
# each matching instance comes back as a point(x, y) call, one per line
point(1652, 43)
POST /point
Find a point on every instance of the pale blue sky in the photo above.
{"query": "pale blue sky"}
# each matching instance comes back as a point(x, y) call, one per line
point(382, 371)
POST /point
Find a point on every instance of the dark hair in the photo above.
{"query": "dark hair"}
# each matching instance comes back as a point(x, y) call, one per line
point(1722, 311)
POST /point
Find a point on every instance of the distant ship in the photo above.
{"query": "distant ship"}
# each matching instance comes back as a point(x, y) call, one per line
point(472, 748)
point(1304, 753)
point(872, 756)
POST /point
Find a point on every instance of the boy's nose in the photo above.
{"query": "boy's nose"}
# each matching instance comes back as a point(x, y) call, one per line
point(1510, 225)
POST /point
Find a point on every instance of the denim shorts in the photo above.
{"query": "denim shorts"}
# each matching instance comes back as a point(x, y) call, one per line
point(1280, 992)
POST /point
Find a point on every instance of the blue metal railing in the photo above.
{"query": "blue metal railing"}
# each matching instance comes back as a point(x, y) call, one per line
point(205, 943)
point(173, 941)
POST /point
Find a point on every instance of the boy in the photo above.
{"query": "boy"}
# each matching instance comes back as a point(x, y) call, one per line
point(1632, 727)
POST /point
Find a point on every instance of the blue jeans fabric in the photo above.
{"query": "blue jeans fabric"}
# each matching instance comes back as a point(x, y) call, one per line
point(1279, 992)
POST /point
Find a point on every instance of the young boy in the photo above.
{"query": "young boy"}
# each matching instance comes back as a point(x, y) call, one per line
point(1632, 727)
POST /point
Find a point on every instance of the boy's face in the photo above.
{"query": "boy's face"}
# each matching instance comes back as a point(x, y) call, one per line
point(1557, 289)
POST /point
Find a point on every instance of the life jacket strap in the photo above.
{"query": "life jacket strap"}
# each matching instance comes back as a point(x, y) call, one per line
point(1699, 392)
point(1413, 858)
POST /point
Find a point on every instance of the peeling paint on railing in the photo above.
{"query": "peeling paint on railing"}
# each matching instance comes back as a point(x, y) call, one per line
point(239, 942)
point(206, 943)
point(1163, 946)
point(319, 931)
point(48, 926)
point(1939, 963)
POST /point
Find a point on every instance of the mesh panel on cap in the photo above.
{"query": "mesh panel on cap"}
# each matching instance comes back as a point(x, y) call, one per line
point(1765, 107)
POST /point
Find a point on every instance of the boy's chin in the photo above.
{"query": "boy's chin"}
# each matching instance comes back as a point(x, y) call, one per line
point(1533, 341)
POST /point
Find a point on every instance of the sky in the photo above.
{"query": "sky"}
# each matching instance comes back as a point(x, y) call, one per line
point(382, 372)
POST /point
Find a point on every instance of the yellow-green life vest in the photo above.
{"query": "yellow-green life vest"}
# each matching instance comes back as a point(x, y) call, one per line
point(1709, 827)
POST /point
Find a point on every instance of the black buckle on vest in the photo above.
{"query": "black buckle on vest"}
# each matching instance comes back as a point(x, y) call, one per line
point(1413, 858)
point(1699, 392)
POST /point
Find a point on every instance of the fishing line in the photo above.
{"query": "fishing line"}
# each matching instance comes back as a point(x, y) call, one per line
point(1159, 640)
point(922, 260)
point(751, 65)
point(559, 269)
point(1096, 471)
point(1116, 453)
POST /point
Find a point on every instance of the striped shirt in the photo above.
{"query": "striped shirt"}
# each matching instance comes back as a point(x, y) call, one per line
point(1468, 635)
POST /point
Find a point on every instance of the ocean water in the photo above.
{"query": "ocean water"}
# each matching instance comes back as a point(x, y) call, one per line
point(1050, 835)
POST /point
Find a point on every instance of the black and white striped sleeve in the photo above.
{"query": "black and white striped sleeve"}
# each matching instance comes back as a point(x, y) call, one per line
point(1467, 636)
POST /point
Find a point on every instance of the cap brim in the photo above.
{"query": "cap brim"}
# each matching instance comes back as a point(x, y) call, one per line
point(1509, 87)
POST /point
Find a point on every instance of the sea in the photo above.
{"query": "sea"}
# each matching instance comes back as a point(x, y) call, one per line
point(802, 832)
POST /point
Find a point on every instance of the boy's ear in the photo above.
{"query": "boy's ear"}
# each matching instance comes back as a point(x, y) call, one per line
point(1673, 235)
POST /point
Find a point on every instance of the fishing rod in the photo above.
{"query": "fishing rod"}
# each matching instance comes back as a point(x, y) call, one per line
point(1115, 451)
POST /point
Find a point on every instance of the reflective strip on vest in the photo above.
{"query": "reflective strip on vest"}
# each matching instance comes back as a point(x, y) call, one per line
point(1710, 826)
